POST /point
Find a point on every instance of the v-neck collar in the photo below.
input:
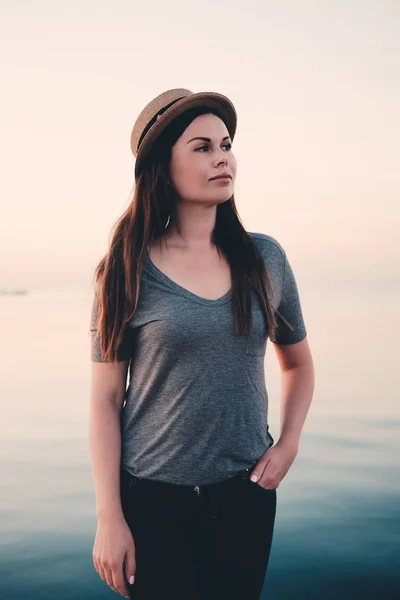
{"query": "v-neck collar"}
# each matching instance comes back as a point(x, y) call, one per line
point(183, 291)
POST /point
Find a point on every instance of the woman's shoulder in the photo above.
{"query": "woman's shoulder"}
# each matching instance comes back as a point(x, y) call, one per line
point(267, 244)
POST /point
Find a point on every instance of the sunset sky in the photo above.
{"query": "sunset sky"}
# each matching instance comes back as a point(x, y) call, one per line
point(317, 90)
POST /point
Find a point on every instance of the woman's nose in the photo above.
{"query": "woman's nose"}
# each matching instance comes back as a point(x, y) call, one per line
point(222, 159)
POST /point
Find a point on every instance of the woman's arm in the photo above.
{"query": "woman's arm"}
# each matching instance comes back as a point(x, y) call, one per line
point(114, 548)
point(297, 388)
point(108, 385)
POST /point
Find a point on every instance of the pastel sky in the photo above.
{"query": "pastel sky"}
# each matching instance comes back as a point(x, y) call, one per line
point(317, 90)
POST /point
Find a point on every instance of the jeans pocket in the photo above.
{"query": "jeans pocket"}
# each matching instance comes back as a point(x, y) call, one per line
point(262, 489)
point(267, 490)
point(133, 483)
point(128, 481)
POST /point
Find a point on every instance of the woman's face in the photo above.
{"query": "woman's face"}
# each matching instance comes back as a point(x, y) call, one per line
point(194, 162)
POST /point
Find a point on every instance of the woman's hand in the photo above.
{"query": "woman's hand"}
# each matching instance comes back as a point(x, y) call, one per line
point(113, 549)
point(274, 464)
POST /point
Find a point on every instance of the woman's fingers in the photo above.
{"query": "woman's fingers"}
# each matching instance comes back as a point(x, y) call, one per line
point(130, 564)
point(101, 573)
point(109, 579)
point(113, 546)
point(119, 582)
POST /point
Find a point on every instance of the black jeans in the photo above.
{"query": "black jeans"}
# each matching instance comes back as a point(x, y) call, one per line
point(207, 542)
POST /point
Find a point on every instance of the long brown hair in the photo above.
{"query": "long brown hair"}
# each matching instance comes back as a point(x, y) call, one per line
point(117, 276)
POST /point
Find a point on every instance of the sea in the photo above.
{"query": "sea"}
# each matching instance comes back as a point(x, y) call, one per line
point(337, 529)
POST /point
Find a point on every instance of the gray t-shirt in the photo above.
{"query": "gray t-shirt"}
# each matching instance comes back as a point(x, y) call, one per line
point(196, 406)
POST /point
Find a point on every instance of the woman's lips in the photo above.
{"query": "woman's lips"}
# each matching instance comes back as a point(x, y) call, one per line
point(222, 179)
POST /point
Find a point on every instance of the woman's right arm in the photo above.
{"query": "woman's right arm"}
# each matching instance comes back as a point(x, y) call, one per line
point(108, 384)
point(114, 542)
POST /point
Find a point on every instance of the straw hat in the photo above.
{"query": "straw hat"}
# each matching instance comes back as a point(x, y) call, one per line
point(163, 109)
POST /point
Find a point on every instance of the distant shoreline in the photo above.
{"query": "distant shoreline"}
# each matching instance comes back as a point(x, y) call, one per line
point(13, 292)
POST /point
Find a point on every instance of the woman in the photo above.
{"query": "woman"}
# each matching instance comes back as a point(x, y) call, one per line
point(186, 298)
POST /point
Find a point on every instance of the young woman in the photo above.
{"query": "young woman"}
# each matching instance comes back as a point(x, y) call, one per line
point(186, 299)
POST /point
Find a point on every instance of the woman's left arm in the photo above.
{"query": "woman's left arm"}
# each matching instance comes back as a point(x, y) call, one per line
point(298, 380)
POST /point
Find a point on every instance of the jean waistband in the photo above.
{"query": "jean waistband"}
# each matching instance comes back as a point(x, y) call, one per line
point(240, 475)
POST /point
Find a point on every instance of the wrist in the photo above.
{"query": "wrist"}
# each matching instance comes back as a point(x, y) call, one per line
point(110, 513)
point(289, 443)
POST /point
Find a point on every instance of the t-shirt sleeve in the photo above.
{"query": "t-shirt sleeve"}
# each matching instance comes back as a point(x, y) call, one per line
point(290, 308)
point(124, 350)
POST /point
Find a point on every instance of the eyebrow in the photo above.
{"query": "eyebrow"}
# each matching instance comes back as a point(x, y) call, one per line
point(206, 139)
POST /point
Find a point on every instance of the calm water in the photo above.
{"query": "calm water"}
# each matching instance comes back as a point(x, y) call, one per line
point(337, 531)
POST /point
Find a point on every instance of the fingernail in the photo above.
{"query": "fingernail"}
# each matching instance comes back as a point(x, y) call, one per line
point(132, 579)
point(254, 477)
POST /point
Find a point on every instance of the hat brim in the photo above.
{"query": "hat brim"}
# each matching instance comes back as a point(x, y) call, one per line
point(218, 102)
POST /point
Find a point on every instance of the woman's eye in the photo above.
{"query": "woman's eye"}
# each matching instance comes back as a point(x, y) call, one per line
point(206, 147)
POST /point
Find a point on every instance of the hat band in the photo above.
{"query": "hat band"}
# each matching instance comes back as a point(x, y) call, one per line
point(155, 119)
